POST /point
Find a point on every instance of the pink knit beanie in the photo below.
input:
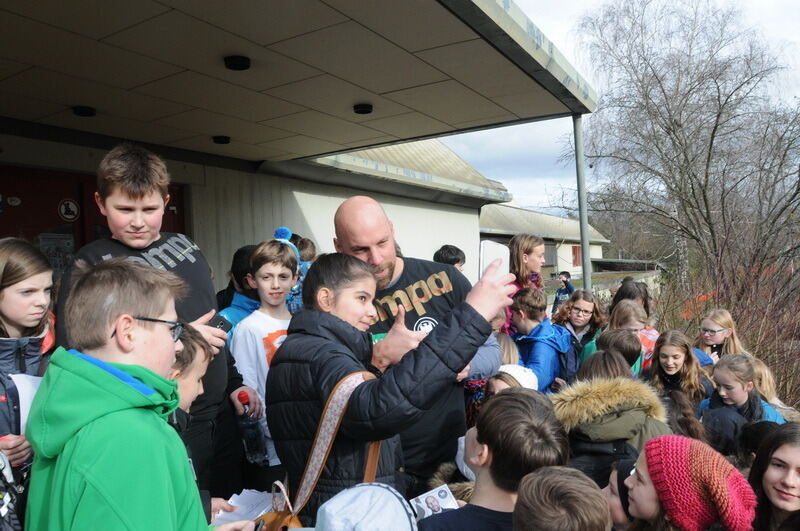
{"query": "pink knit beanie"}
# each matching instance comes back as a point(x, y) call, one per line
point(697, 487)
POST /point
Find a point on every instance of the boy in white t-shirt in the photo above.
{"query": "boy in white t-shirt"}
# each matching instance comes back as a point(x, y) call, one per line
point(273, 272)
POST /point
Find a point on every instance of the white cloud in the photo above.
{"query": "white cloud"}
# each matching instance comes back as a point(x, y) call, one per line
point(525, 158)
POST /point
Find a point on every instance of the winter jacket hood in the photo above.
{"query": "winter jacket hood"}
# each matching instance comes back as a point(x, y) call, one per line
point(243, 303)
point(104, 452)
point(96, 389)
point(327, 327)
point(754, 410)
point(449, 474)
point(557, 337)
point(366, 507)
point(611, 409)
point(547, 351)
point(241, 306)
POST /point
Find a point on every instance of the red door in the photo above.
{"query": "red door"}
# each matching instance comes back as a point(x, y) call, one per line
point(56, 211)
point(576, 255)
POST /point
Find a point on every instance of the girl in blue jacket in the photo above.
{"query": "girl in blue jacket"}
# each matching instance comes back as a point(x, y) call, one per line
point(544, 348)
point(735, 402)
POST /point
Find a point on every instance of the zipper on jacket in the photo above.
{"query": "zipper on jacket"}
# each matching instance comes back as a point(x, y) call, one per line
point(21, 365)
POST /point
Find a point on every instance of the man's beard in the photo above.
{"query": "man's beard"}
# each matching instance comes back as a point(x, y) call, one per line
point(383, 282)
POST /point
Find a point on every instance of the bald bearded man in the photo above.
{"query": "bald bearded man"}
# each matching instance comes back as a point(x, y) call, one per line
point(422, 293)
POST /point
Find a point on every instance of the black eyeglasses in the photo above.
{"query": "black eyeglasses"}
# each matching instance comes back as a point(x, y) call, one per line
point(176, 328)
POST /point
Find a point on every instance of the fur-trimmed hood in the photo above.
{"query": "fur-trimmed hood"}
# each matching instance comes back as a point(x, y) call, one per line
point(448, 474)
point(609, 409)
point(586, 400)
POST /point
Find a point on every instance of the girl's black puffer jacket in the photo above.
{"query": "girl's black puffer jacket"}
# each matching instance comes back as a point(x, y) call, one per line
point(319, 351)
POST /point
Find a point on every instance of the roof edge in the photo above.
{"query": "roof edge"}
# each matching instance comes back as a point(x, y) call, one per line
point(330, 175)
point(383, 170)
point(503, 232)
point(503, 205)
point(503, 25)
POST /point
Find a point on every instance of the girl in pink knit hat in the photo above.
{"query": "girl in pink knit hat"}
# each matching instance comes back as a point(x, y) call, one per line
point(683, 484)
point(775, 477)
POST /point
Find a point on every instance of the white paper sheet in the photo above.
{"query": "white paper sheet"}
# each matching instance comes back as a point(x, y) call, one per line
point(251, 504)
point(26, 388)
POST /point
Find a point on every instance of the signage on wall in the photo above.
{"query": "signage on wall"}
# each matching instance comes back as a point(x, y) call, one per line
point(10, 201)
point(68, 210)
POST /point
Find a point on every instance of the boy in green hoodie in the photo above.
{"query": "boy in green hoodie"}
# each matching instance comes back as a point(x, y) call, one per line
point(105, 456)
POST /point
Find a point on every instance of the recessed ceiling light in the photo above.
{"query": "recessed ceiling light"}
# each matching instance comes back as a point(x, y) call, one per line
point(237, 62)
point(362, 108)
point(84, 111)
point(221, 139)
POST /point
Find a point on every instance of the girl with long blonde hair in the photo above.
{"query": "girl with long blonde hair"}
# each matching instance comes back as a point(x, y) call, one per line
point(525, 263)
point(735, 401)
point(717, 335)
point(527, 259)
point(676, 369)
point(765, 383)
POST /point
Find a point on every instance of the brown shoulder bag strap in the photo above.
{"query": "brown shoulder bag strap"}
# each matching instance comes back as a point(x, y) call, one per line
point(329, 423)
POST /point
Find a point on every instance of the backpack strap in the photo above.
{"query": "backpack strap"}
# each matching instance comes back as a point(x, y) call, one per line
point(329, 423)
point(371, 468)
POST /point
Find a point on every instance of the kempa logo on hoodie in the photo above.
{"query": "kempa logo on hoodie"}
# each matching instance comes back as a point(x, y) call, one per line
point(178, 246)
point(414, 296)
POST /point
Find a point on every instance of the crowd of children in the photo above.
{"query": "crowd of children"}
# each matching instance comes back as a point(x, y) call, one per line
point(572, 421)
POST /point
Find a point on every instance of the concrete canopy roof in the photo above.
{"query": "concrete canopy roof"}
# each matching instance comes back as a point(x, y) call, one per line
point(508, 220)
point(154, 71)
point(426, 164)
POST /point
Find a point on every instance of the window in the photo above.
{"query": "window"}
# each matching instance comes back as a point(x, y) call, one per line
point(550, 254)
point(576, 255)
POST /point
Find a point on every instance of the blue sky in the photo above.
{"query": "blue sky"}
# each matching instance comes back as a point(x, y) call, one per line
point(525, 158)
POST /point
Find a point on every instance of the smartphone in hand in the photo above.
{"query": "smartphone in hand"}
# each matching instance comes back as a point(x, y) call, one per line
point(220, 322)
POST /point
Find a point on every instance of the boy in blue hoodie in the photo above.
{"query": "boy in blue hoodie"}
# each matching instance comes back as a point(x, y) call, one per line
point(543, 347)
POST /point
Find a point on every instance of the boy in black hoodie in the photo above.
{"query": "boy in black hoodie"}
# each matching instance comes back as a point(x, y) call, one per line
point(132, 193)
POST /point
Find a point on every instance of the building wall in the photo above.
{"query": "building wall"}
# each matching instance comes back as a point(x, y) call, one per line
point(229, 208)
point(565, 262)
point(562, 254)
point(234, 208)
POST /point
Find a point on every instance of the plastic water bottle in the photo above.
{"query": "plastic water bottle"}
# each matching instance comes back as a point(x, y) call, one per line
point(253, 436)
